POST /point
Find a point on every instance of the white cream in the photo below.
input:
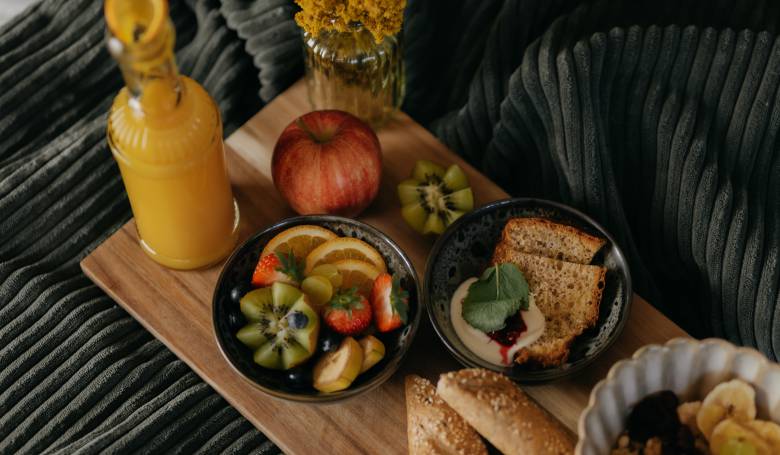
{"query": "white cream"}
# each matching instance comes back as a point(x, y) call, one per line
point(481, 344)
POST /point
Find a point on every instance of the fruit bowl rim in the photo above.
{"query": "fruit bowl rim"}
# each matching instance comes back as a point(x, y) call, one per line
point(324, 398)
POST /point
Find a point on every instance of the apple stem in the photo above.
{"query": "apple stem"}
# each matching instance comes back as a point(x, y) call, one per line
point(320, 139)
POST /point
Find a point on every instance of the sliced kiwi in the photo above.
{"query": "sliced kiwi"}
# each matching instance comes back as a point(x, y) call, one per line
point(283, 327)
point(269, 356)
point(433, 198)
point(307, 337)
point(253, 335)
point(256, 303)
point(284, 295)
point(294, 354)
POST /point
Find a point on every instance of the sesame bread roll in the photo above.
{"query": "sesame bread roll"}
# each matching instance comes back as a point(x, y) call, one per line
point(433, 427)
point(504, 414)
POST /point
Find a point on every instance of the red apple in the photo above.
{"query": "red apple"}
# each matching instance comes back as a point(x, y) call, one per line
point(327, 162)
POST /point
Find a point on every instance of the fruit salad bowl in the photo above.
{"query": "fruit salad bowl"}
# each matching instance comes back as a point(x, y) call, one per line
point(687, 367)
point(237, 280)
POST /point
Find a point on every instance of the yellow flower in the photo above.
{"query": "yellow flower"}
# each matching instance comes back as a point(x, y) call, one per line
point(380, 17)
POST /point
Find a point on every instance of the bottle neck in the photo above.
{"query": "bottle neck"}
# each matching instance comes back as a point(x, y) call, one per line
point(148, 65)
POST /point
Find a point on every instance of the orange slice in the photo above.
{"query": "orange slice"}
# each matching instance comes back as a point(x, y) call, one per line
point(357, 274)
point(343, 248)
point(301, 240)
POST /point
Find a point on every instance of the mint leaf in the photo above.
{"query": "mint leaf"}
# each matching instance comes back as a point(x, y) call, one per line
point(399, 299)
point(511, 283)
point(489, 317)
point(500, 292)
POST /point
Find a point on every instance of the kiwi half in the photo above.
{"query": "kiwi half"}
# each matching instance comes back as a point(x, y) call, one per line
point(283, 327)
point(433, 198)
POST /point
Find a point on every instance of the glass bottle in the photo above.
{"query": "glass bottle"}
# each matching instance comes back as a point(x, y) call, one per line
point(165, 133)
point(350, 71)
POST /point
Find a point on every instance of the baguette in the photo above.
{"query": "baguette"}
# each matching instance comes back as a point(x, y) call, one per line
point(433, 427)
point(504, 414)
point(567, 294)
point(545, 238)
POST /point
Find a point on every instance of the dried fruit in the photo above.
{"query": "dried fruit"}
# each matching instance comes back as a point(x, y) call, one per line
point(655, 415)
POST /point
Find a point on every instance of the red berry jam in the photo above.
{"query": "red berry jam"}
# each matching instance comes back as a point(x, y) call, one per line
point(514, 328)
point(506, 337)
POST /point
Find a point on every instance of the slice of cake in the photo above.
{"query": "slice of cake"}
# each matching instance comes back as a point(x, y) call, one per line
point(546, 238)
point(568, 295)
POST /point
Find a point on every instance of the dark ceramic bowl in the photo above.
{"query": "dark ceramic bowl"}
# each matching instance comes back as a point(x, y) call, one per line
point(465, 249)
point(237, 274)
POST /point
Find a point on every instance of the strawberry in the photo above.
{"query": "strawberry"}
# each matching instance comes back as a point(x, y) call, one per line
point(390, 303)
point(276, 267)
point(348, 312)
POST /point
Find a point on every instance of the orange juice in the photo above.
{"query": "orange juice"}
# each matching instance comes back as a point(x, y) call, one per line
point(165, 133)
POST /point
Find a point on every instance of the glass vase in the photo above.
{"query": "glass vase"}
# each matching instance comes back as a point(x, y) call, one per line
point(350, 71)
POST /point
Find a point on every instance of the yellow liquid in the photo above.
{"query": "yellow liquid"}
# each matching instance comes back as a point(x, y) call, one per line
point(168, 144)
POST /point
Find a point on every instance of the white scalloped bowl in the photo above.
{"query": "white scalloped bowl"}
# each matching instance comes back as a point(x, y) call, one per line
point(688, 367)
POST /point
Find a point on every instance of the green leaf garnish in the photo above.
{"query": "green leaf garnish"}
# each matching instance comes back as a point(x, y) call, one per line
point(500, 292)
point(289, 265)
point(399, 300)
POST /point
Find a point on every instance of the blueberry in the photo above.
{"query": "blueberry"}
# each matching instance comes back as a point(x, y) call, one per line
point(298, 377)
point(329, 341)
point(235, 319)
point(238, 292)
point(297, 320)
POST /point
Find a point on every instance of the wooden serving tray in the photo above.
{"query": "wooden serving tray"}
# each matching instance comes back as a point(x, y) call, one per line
point(175, 306)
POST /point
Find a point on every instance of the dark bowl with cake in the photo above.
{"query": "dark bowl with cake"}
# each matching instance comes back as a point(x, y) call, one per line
point(580, 285)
